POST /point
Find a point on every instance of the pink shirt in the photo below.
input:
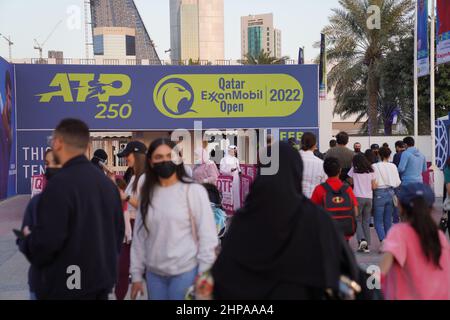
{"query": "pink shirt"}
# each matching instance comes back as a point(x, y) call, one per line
point(362, 184)
point(412, 276)
point(206, 173)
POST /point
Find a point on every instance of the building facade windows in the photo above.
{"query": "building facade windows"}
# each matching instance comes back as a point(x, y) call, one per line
point(130, 45)
point(258, 34)
point(197, 30)
point(98, 45)
point(254, 40)
point(121, 14)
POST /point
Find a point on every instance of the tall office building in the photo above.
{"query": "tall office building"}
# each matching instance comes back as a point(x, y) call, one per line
point(113, 42)
point(112, 19)
point(197, 30)
point(258, 33)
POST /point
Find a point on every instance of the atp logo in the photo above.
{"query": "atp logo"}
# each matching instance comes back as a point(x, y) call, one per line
point(175, 96)
point(79, 87)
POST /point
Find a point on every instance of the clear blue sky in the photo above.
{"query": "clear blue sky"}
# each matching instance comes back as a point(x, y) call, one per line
point(299, 20)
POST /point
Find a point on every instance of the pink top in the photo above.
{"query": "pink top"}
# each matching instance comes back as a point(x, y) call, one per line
point(362, 184)
point(206, 173)
point(412, 276)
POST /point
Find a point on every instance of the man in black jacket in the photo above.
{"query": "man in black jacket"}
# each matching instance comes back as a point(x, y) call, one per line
point(80, 226)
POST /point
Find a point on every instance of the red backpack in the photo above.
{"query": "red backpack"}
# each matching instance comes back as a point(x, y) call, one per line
point(341, 208)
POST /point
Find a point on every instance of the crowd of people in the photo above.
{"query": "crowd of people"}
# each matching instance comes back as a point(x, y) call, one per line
point(372, 181)
point(161, 228)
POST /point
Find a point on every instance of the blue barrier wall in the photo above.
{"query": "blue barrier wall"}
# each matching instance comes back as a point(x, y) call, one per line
point(158, 98)
point(7, 131)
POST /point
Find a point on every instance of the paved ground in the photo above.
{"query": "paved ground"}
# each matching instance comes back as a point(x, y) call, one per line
point(13, 265)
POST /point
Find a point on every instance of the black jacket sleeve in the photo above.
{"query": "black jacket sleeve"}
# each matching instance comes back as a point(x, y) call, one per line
point(51, 230)
point(28, 221)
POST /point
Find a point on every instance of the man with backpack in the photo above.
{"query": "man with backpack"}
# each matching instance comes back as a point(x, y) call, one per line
point(337, 198)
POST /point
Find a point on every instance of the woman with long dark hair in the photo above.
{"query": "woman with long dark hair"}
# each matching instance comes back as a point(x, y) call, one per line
point(175, 234)
point(364, 181)
point(371, 156)
point(383, 202)
point(135, 154)
point(416, 264)
point(279, 245)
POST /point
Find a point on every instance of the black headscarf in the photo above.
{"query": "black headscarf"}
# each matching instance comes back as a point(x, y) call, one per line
point(279, 238)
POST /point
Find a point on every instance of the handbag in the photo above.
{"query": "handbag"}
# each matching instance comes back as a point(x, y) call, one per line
point(395, 200)
point(392, 192)
point(443, 224)
point(446, 205)
point(202, 288)
point(191, 218)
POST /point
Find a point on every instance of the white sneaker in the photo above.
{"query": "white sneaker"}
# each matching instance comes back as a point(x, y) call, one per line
point(380, 251)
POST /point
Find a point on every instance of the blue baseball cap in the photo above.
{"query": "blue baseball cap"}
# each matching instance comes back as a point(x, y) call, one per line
point(408, 193)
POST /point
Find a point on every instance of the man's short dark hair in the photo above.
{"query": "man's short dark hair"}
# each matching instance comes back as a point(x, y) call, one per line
point(332, 143)
point(8, 83)
point(385, 153)
point(74, 133)
point(386, 145)
point(409, 141)
point(308, 141)
point(342, 138)
point(331, 167)
point(400, 144)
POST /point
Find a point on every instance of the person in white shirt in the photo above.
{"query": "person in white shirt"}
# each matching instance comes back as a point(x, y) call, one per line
point(230, 166)
point(175, 234)
point(387, 179)
point(313, 173)
point(135, 154)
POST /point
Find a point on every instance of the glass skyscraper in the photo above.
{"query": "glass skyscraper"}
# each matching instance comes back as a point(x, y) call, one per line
point(197, 30)
point(254, 40)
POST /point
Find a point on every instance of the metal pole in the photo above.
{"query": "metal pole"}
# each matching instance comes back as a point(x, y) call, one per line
point(10, 48)
point(432, 82)
point(416, 79)
point(86, 29)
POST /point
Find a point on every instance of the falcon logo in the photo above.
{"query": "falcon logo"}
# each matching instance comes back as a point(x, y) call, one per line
point(176, 96)
point(338, 200)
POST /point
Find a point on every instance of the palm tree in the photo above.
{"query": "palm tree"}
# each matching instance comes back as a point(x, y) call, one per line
point(357, 49)
point(264, 57)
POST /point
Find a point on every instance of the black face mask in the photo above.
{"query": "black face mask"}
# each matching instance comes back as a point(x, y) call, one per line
point(357, 150)
point(165, 169)
point(50, 172)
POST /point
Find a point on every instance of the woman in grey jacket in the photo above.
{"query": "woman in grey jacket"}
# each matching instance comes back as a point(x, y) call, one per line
point(175, 234)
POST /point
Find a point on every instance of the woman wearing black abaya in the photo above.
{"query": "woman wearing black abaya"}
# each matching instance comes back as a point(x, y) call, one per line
point(280, 245)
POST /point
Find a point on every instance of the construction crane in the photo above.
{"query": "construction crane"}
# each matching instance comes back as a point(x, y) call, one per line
point(10, 43)
point(38, 46)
